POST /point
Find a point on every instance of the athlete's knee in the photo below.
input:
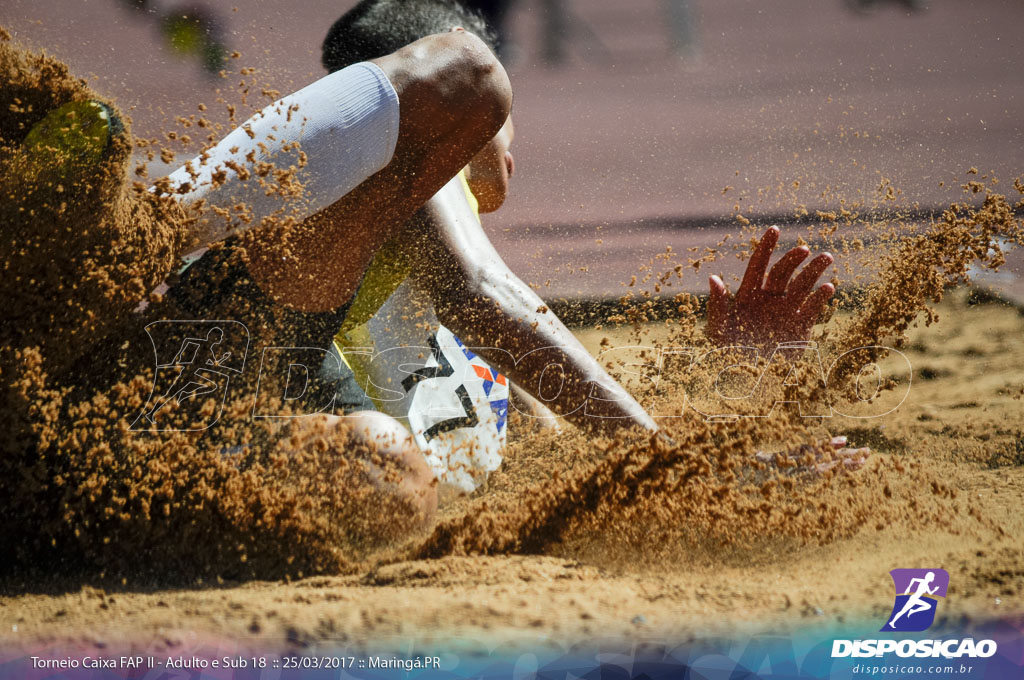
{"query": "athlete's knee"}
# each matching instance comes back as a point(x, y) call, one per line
point(485, 92)
point(449, 81)
point(380, 431)
point(396, 464)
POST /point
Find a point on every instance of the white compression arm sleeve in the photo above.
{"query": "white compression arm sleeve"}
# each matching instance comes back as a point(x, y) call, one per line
point(346, 124)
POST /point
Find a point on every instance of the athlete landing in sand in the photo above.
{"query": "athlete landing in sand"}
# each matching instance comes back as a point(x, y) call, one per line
point(474, 293)
point(455, 105)
point(378, 139)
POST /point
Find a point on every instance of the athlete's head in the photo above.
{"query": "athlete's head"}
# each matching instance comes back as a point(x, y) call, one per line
point(374, 28)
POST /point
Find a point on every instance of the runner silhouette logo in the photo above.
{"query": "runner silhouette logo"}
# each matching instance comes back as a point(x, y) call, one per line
point(917, 593)
point(195, 364)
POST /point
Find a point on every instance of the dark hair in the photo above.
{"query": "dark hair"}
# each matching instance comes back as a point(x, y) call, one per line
point(374, 28)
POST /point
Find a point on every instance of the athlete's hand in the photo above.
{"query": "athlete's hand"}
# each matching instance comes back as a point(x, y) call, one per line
point(769, 310)
point(817, 459)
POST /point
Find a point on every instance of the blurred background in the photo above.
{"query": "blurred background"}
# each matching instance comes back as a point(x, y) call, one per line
point(639, 125)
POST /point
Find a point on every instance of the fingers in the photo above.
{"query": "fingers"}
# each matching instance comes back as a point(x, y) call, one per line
point(780, 274)
point(718, 300)
point(804, 282)
point(845, 460)
point(841, 457)
point(856, 455)
point(754, 276)
point(811, 309)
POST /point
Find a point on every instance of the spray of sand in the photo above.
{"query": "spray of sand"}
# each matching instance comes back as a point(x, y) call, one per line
point(86, 495)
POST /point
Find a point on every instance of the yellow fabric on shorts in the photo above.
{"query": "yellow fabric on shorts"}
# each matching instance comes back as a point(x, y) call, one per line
point(389, 267)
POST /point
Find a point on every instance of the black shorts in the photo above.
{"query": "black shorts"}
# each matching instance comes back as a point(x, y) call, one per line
point(270, 355)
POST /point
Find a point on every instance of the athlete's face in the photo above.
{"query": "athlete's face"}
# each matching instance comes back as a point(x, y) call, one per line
point(490, 171)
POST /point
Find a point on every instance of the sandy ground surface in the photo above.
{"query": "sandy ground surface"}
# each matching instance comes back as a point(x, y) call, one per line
point(961, 421)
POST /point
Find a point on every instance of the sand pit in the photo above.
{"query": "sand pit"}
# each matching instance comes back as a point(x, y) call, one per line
point(159, 544)
point(603, 584)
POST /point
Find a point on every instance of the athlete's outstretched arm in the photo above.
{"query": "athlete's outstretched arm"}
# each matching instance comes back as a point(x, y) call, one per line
point(493, 311)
